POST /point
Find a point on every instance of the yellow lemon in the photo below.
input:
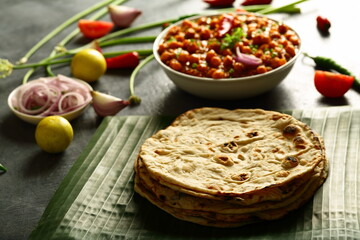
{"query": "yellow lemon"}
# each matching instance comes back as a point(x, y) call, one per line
point(88, 65)
point(54, 134)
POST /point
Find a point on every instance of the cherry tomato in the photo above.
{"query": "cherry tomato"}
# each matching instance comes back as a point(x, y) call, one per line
point(331, 84)
point(94, 29)
point(220, 3)
point(323, 24)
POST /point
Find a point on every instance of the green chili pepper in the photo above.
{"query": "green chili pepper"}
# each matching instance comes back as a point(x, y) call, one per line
point(330, 64)
point(2, 168)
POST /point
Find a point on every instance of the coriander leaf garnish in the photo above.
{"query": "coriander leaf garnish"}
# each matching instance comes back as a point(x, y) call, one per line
point(229, 41)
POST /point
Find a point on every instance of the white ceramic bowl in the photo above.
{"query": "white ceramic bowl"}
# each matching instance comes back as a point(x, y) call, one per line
point(33, 119)
point(226, 88)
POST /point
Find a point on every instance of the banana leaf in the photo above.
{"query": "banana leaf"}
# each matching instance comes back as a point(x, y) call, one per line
point(96, 199)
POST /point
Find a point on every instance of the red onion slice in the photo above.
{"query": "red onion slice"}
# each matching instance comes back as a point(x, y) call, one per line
point(51, 96)
point(247, 60)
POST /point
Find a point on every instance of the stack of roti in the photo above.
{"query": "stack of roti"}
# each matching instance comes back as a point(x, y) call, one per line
point(226, 168)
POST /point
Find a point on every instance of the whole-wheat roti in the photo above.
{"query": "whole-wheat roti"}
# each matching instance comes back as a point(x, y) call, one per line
point(247, 155)
point(183, 201)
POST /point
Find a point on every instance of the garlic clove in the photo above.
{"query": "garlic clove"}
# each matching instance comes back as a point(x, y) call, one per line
point(107, 105)
point(123, 16)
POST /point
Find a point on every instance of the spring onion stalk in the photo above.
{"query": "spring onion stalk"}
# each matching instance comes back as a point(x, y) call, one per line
point(143, 52)
point(260, 7)
point(61, 27)
point(2, 168)
point(127, 40)
point(279, 9)
point(135, 100)
point(70, 36)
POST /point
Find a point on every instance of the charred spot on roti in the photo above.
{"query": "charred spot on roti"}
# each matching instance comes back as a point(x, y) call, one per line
point(291, 130)
point(299, 142)
point(229, 147)
point(242, 177)
point(224, 160)
point(252, 134)
point(290, 162)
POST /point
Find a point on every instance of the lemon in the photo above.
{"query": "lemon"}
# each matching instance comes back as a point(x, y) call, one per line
point(88, 65)
point(54, 134)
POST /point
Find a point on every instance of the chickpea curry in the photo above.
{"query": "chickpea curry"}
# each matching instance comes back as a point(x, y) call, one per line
point(228, 46)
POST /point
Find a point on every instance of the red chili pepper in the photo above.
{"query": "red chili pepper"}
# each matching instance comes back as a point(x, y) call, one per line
point(226, 25)
point(220, 3)
point(255, 2)
point(323, 24)
point(94, 29)
point(127, 60)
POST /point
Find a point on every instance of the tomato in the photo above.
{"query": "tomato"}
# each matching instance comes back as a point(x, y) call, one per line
point(88, 65)
point(331, 84)
point(220, 3)
point(323, 24)
point(94, 29)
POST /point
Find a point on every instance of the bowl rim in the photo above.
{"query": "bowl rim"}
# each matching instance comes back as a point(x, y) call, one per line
point(37, 117)
point(160, 37)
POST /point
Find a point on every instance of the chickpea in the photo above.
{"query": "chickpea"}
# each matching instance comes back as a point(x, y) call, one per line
point(175, 44)
point(162, 48)
point(209, 55)
point(282, 28)
point(217, 74)
point(194, 58)
point(246, 49)
point(294, 40)
point(290, 50)
point(190, 46)
point(228, 61)
point(187, 24)
point(261, 69)
point(226, 52)
point(190, 33)
point(203, 68)
point(175, 64)
point(180, 37)
point(183, 57)
point(215, 61)
point(238, 67)
point(166, 55)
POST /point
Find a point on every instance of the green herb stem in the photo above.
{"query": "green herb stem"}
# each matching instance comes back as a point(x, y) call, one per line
point(75, 32)
point(144, 52)
point(281, 8)
point(61, 27)
point(133, 98)
point(127, 40)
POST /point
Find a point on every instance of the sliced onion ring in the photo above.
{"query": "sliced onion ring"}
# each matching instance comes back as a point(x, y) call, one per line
point(247, 60)
point(48, 96)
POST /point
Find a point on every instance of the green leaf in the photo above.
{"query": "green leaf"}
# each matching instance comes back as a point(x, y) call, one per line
point(96, 199)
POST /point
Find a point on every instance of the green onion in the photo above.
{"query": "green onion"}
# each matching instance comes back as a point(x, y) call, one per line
point(135, 100)
point(61, 27)
point(279, 9)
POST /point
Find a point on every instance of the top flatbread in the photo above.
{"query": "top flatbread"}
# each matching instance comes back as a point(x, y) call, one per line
point(252, 155)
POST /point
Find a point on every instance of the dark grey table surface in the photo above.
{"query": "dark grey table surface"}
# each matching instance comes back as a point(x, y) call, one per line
point(33, 175)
